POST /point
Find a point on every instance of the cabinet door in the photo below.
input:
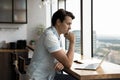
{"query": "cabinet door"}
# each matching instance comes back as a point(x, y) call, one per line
point(5, 66)
point(5, 10)
point(20, 11)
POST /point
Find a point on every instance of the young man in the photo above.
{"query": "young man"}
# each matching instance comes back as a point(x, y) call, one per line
point(49, 57)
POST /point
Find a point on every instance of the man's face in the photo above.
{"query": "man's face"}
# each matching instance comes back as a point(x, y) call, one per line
point(65, 26)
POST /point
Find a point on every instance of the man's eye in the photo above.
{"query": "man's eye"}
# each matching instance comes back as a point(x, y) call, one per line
point(68, 23)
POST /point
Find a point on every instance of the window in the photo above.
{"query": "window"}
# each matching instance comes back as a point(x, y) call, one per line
point(75, 8)
point(106, 34)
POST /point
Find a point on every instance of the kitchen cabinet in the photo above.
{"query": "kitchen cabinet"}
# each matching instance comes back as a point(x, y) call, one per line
point(13, 11)
point(5, 66)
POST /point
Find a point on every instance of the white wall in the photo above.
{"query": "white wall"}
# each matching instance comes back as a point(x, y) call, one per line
point(10, 35)
point(37, 16)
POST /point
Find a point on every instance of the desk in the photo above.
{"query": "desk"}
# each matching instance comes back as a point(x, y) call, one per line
point(106, 71)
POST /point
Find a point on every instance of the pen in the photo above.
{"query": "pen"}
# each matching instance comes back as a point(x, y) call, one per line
point(76, 61)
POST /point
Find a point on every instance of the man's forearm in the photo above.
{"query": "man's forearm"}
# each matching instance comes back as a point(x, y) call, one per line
point(70, 52)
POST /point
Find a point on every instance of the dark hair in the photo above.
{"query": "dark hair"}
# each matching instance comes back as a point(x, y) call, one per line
point(61, 14)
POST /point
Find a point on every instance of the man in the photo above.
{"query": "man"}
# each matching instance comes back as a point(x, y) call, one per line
point(49, 57)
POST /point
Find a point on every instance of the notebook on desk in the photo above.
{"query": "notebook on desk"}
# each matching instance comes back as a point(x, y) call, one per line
point(90, 66)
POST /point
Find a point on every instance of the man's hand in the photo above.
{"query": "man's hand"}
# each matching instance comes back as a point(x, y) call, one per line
point(59, 66)
point(70, 36)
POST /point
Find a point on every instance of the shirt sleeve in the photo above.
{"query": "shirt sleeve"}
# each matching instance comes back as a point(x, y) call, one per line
point(52, 43)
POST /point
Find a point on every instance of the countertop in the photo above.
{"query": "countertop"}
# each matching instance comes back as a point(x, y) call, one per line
point(13, 50)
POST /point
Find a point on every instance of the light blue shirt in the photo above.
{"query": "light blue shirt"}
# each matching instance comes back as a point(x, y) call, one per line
point(42, 63)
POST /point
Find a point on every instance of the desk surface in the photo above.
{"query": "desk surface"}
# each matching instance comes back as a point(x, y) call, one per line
point(107, 70)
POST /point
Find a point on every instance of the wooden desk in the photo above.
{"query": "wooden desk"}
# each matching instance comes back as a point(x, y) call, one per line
point(106, 71)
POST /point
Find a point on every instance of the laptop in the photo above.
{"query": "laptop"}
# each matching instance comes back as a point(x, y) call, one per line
point(92, 65)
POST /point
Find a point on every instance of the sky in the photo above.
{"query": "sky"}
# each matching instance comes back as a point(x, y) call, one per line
point(106, 17)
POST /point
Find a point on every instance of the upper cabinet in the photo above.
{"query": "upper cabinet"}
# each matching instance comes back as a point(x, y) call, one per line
point(13, 11)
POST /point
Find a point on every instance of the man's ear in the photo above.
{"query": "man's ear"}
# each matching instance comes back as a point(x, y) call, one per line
point(58, 22)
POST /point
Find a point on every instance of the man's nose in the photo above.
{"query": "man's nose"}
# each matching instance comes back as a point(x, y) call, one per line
point(69, 27)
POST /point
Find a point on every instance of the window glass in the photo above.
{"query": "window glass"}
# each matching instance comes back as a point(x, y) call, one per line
point(74, 7)
point(106, 34)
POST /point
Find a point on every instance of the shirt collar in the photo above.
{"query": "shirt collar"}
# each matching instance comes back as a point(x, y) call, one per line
point(55, 32)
